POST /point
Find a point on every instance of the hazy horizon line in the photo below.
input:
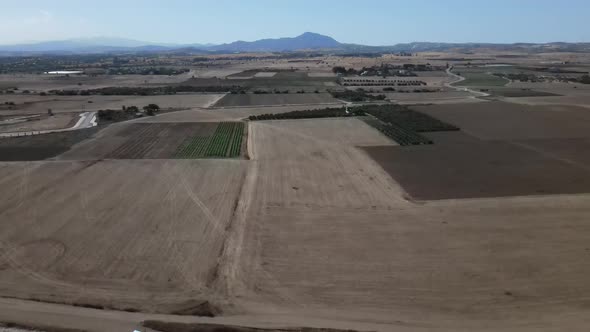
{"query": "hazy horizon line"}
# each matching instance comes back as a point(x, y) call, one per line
point(171, 43)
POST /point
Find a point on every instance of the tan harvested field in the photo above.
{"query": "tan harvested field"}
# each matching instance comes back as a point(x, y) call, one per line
point(96, 232)
point(58, 121)
point(328, 234)
point(43, 82)
point(218, 73)
point(226, 114)
point(438, 97)
point(324, 222)
point(241, 100)
point(32, 104)
point(321, 74)
point(322, 236)
point(570, 94)
point(265, 74)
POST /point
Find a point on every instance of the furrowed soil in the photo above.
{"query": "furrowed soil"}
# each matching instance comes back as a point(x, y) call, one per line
point(140, 141)
point(460, 166)
point(130, 235)
point(329, 234)
point(35, 104)
point(310, 231)
point(39, 147)
point(508, 121)
point(233, 100)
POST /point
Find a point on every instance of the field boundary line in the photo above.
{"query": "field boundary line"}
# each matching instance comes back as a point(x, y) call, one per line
point(276, 105)
point(227, 278)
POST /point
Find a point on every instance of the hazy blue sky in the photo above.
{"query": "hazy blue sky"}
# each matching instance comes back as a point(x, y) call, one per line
point(372, 22)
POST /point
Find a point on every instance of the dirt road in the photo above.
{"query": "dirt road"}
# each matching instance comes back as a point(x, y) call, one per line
point(87, 120)
point(452, 85)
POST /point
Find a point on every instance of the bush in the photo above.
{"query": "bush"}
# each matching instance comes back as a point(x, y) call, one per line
point(151, 109)
point(358, 95)
point(144, 91)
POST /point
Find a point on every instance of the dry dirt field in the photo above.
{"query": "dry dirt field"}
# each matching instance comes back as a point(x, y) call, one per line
point(324, 223)
point(38, 83)
point(113, 234)
point(328, 234)
point(570, 94)
point(41, 147)
point(441, 97)
point(241, 100)
point(32, 104)
point(42, 122)
point(509, 121)
point(320, 235)
point(462, 166)
point(226, 114)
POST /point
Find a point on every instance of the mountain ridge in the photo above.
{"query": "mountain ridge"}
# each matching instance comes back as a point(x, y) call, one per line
point(306, 41)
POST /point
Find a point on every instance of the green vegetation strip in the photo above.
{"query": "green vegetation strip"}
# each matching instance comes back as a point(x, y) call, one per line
point(480, 79)
point(193, 147)
point(400, 135)
point(226, 142)
point(307, 114)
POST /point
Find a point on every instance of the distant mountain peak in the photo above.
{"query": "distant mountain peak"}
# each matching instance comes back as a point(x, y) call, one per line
point(311, 34)
point(307, 40)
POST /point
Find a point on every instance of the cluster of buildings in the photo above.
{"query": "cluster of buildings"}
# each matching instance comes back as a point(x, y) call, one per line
point(379, 81)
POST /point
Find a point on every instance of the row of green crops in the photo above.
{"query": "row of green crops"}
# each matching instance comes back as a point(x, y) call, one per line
point(397, 133)
point(397, 122)
point(306, 114)
point(193, 147)
point(226, 142)
point(236, 141)
point(219, 144)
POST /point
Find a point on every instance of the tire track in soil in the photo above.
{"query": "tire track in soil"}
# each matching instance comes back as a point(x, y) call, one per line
point(226, 278)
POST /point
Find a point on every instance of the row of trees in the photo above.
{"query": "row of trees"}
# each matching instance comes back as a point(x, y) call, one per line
point(127, 113)
point(407, 118)
point(395, 121)
point(407, 69)
point(358, 95)
point(147, 71)
point(306, 114)
point(143, 91)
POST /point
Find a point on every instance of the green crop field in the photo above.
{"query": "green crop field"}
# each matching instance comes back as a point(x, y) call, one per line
point(479, 78)
point(226, 142)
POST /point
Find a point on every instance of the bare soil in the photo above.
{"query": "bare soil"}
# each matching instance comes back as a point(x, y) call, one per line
point(44, 122)
point(460, 166)
point(328, 233)
point(139, 141)
point(233, 100)
point(508, 121)
point(44, 146)
point(180, 327)
point(34, 104)
point(310, 231)
point(16, 327)
point(129, 235)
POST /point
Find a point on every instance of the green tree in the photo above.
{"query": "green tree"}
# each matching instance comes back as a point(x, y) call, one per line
point(151, 109)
